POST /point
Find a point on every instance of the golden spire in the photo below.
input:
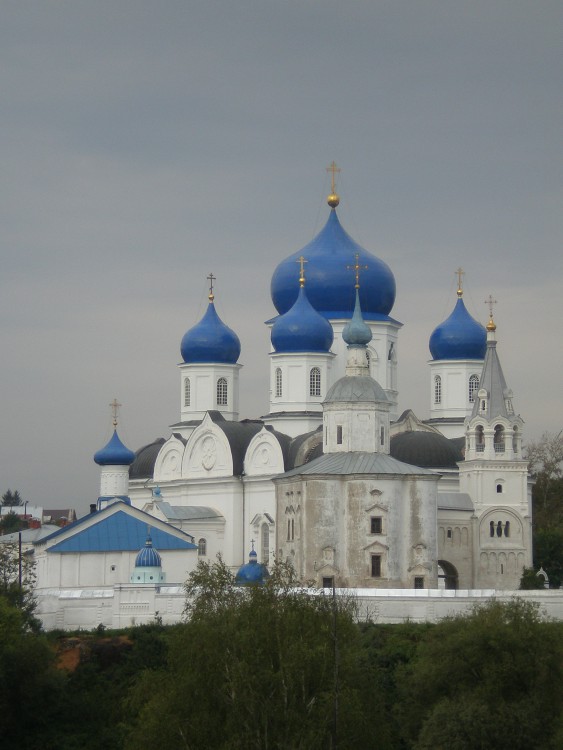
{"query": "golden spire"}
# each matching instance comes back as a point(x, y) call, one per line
point(211, 279)
point(333, 199)
point(357, 268)
point(115, 410)
point(490, 302)
point(459, 273)
point(301, 260)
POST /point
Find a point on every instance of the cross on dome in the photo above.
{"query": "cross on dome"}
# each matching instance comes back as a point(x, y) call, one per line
point(490, 302)
point(211, 279)
point(333, 199)
point(357, 268)
point(301, 260)
point(459, 273)
point(115, 405)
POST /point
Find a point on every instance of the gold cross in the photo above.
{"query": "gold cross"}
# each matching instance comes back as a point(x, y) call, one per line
point(301, 260)
point(357, 268)
point(459, 273)
point(211, 279)
point(490, 302)
point(114, 410)
point(334, 170)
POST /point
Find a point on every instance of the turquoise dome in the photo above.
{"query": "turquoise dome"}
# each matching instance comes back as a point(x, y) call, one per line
point(114, 453)
point(459, 337)
point(210, 341)
point(148, 557)
point(302, 329)
point(252, 573)
point(356, 332)
point(328, 281)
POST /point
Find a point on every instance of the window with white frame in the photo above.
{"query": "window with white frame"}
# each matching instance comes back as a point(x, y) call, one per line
point(473, 387)
point(202, 547)
point(222, 392)
point(187, 392)
point(315, 382)
point(265, 539)
point(437, 390)
point(278, 377)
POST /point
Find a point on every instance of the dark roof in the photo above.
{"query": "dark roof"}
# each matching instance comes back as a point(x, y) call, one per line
point(297, 442)
point(427, 449)
point(357, 462)
point(145, 458)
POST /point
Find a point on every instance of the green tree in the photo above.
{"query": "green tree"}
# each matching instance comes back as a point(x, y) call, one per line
point(11, 499)
point(545, 462)
point(20, 596)
point(272, 666)
point(490, 681)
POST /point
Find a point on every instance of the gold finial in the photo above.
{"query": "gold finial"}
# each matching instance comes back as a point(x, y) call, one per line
point(211, 279)
point(459, 273)
point(357, 268)
point(490, 302)
point(333, 199)
point(115, 410)
point(301, 262)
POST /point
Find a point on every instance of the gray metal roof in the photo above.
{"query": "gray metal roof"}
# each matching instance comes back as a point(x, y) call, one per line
point(357, 463)
point(492, 380)
point(188, 512)
point(454, 501)
point(355, 389)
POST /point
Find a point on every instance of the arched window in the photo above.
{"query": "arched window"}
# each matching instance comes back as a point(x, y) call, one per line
point(222, 392)
point(492, 528)
point(515, 440)
point(202, 547)
point(187, 393)
point(499, 489)
point(473, 387)
point(479, 439)
point(507, 528)
point(265, 539)
point(499, 439)
point(278, 382)
point(437, 390)
point(315, 382)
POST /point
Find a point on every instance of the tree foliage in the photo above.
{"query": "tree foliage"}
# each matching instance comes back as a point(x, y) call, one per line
point(272, 666)
point(18, 594)
point(490, 681)
point(11, 499)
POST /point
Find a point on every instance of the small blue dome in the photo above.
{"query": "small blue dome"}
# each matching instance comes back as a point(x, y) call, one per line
point(114, 453)
point(356, 332)
point(302, 329)
point(252, 573)
point(459, 337)
point(328, 281)
point(148, 557)
point(210, 341)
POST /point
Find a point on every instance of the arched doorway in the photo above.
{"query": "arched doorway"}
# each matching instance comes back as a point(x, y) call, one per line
point(447, 575)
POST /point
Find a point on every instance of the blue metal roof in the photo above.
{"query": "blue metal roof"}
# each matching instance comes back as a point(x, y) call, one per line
point(458, 337)
point(117, 532)
point(302, 329)
point(114, 453)
point(210, 341)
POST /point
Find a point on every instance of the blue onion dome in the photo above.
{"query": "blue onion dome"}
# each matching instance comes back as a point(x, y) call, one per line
point(459, 337)
point(302, 328)
point(148, 557)
point(328, 283)
point(356, 332)
point(114, 453)
point(252, 573)
point(210, 340)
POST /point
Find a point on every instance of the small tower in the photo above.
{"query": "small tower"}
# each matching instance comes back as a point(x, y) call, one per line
point(299, 365)
point(495, 475)
point(458, 348)
point(252, 573)
point(115, 460)
point(148, 565)
point(209, 373)
point(356, 408)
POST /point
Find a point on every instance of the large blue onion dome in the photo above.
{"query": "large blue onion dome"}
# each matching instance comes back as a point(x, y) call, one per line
point(302, 328)
point(459, 337)
point(210, 340)
point(252, 573)
point(148, 557)
point(356, 332)
point(114, 453)
point(328, 282)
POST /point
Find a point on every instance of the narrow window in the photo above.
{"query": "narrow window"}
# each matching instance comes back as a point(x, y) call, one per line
point(339, 434)
point(265, 544)
point(507, 528)
point(437, 390)
point(419, 582)
point(382, 436)
point(376, 524)
point(515, 440)
point(499, 439)
point(499, 529)
point(202, 547)
point(292, 529)
point(483, 405)
point(499, 488)
point(315, 382)
point(222, 392)
point(449, 533)
point(473, 387)
point(278, 382)
point(479, 439)
point(492, 528)
point(289, 530)
point(187, 393)
point(376, 566)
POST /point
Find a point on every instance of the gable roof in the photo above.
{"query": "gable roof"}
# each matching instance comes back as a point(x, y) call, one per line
point(117, 528)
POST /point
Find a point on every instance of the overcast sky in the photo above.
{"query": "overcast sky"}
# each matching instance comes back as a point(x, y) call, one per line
point(145, 144)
